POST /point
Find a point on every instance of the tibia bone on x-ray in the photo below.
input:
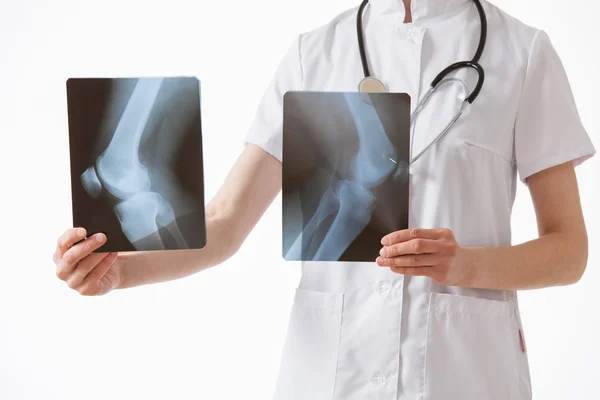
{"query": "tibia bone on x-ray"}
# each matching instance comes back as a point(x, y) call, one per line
point(355, 210)
point(141, 209)
point(349, 201)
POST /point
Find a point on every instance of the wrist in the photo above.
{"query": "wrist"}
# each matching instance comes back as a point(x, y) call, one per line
point(466, 264)
point(121, 262)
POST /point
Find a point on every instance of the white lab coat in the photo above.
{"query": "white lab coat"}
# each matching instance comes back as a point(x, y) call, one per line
point(358, 331)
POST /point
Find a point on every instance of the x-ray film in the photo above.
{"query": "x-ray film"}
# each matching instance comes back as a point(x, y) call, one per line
point(345, 173)
point(136, 161)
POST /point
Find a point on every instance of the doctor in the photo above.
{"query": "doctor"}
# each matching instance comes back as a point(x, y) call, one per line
point(436, 316)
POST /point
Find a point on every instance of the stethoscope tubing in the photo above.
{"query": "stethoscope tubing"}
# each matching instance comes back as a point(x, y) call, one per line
point(441, 77)
point(473, 63)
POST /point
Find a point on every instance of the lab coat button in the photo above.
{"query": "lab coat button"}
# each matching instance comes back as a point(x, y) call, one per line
point(379, 380)
point(384, 289)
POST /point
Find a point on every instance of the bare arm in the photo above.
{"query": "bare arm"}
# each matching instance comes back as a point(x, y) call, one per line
point(250, 187)
point(557, 257)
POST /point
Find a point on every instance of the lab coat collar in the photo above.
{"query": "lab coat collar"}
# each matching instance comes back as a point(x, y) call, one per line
point(420, 9)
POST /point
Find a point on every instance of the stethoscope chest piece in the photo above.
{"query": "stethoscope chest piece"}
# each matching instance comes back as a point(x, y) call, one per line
point(371, 85)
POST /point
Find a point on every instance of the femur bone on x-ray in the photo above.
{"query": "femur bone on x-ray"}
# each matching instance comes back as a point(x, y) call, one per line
point(136, 150)
point(345, 173)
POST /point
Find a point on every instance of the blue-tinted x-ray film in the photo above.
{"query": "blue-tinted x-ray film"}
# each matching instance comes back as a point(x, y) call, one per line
point(136, 161)
point(345, 173)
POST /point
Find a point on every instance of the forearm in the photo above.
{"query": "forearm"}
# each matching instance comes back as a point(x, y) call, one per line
point(248, 190)
point(555, 259)
point(147, 267)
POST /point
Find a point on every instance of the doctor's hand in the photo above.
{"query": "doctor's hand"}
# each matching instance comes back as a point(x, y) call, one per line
point(422, 252)
point(91, 274)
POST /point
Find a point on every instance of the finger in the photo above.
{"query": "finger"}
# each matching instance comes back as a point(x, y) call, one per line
point(101, 269)
point(67, 240)
point(410, 260)
point(83, 268)
point(78, 252)
point(90, 284)
point(414, 246)
point(414, 233)
point(414, 271)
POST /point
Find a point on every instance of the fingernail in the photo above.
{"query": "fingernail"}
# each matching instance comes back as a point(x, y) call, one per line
point(385, 241)
point(100, 237)
point(81, 232)
point(383, 251)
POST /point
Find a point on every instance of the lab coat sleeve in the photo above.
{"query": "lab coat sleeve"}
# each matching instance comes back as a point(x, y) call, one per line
point(548, 129)
point(266, 129)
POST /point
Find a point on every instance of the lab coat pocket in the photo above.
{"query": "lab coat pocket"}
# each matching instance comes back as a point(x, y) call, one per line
point(309, 360)
point(492, 149)
point(471, 349)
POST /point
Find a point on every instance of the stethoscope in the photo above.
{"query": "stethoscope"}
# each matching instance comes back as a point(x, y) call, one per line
point(370, 84)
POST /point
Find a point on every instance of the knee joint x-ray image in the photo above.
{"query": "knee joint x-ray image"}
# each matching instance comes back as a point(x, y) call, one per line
point(136, 161)
point(345, 173)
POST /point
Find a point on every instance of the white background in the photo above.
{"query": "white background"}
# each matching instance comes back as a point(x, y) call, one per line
point(216, 335)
